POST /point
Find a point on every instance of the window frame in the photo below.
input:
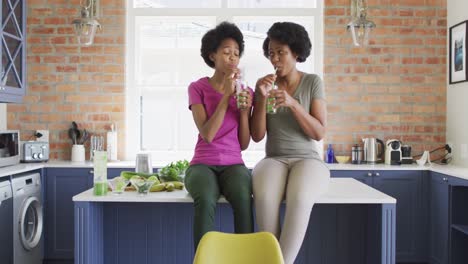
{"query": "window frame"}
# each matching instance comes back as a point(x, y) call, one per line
point(132, 99)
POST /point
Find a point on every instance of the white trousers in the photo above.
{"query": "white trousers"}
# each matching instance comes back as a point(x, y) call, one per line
point(301, 181)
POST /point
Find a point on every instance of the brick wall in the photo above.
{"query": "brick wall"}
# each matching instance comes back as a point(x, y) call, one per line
point(68, 82)
point(396, 87)
point(393, 89)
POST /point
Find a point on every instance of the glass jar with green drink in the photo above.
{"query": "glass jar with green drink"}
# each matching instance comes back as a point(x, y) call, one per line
point(241, 89)
point(100, 173)
point(271, 101)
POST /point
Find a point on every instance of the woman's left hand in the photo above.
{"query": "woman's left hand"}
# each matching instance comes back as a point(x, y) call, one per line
point(245, 101)
point(283, 99)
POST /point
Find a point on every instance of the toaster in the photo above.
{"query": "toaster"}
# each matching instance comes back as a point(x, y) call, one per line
point(35, 151)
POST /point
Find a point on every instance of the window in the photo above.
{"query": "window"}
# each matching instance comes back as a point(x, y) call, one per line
point(163, 58)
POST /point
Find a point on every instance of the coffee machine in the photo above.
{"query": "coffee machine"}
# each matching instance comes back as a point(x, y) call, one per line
point(393, 152)
point(406, 157)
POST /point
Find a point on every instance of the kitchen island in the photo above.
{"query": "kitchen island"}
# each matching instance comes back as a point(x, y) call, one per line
point(351, 223)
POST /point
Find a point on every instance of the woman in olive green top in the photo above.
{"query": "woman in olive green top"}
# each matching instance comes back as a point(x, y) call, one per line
point(292, 168)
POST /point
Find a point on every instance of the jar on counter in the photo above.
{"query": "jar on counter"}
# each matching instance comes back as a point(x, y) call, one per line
point(356, 154)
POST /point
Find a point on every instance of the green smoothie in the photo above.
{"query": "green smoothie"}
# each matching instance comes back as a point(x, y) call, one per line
point(100, 188)
point(270, 107)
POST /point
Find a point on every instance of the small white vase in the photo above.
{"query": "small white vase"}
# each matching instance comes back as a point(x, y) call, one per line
point(78, 153)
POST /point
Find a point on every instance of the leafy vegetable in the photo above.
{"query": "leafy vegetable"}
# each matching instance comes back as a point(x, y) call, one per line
point(174, 171)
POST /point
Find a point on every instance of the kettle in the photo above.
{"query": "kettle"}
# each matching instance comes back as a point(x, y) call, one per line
point(372, 153)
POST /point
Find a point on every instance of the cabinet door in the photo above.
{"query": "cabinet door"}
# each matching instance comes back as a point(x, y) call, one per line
point(13, 51)
point(61, 185)
point(439, 218)
point(360, 175)
point(407, 188)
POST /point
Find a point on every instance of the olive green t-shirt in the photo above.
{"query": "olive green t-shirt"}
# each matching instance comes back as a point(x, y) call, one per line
point(285, 138)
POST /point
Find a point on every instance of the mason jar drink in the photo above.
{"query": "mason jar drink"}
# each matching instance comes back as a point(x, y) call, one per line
point(271, 101)
point(241, 89)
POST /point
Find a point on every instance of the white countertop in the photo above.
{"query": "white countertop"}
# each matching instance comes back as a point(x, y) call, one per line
point(451, 170)
point(341, 191)
point(20, 168)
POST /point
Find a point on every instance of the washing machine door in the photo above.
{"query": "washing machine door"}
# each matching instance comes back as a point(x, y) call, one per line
point(30, 224)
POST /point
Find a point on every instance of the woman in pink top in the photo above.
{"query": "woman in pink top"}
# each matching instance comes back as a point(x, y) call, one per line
point(217, 167)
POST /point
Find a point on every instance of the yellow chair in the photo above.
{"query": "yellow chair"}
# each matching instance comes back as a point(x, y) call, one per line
point(223, 248)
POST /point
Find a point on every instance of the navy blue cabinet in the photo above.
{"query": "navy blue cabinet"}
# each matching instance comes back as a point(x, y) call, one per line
point(439, 218)
point(12, 51)
point(61, 184)
point(408, 188)
point(458, 221)
point(362, 176)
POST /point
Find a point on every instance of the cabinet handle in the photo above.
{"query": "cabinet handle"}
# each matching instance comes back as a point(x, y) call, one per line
point(377, 174)
point(369, 174)
point(91, 172)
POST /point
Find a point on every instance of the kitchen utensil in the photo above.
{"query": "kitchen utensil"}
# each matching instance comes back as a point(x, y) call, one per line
point(372, 152)
point(84, 138)
point(77, 131)
point(356, 154)
point(72, 135)
point(143, 163)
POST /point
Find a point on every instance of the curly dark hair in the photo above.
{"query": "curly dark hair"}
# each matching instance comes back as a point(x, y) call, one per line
point(213, 38)
point(291, 34)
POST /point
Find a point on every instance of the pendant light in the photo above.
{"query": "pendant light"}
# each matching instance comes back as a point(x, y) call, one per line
point(359, 27)
point(86, 26)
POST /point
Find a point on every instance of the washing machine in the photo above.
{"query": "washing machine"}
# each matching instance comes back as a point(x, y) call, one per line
point(27, 219)
point(6, 222)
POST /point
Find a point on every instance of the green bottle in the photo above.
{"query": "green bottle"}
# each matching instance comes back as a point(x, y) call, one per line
point(271, 101)
point(100, 173)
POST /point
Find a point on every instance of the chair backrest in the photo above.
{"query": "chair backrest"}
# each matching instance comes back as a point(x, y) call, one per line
point(223, 248)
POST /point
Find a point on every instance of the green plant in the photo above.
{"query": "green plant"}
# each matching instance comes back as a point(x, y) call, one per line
point(172, 171)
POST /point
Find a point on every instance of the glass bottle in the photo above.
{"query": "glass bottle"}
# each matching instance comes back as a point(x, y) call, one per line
point(330, 154)
point(241, 87)
point(100, 173)
point(271, 101)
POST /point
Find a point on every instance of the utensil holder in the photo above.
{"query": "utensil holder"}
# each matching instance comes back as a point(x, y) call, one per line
point(78, 153)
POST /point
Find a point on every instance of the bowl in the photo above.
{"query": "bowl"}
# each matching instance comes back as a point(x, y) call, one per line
point(117, 185)
point(342, 159)
point(142, 185)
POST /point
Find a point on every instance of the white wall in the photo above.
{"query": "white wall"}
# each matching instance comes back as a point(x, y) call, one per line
point(457, 94)
point(3, 117)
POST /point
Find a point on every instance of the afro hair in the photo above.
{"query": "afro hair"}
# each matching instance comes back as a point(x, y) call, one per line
point(213, 38)
point(291, 34)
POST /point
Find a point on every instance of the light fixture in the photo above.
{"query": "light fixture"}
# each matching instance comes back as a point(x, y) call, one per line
point(359, 27)
point(86, 26)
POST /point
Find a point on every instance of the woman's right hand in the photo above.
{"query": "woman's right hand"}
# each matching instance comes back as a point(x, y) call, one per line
point(264, 83)
point(230, 78)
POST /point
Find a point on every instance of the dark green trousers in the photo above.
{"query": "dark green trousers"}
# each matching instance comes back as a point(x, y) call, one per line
point(206, 183)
